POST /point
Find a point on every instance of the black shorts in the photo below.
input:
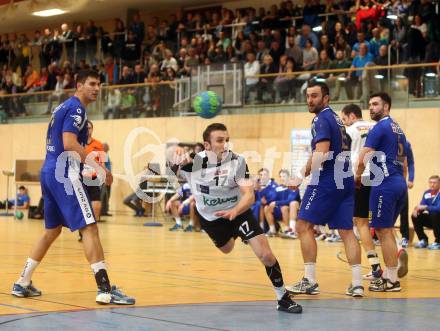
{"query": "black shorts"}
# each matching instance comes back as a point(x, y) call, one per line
point(94, 192)
point(222, 230)
point(362, 202)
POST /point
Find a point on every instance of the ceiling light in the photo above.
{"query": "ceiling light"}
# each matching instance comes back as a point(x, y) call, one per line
point(430, 74)
point(320, 80)
point(317, 28)
point(49, 12)
point(342, 79)
point(379, 76)
point(400, 77)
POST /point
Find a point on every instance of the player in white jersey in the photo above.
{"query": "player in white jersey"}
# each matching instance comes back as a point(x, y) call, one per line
point(220, 183)
point(358, 129)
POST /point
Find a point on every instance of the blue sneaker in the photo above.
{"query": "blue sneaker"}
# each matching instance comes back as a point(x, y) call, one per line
point(176, 227)
point(434, 246)
point(404, 243)
point(189, 228)
point(421, 244)
point(114, 297)
point(25, 292)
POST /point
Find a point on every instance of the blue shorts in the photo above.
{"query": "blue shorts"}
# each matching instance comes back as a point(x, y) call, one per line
point(185, 210)
point(322, 205)
point(73, 211)
point(386, 202)
point(277, 213)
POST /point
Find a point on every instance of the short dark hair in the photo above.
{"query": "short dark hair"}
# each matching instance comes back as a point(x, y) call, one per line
point(264, 169)
point(284, 171)
point(22, 187)
point(213, 127)
point(437, 177)
point(84, 74)
point(200, 145)
point(352, 109)
point(324, 88)
point(384, 96)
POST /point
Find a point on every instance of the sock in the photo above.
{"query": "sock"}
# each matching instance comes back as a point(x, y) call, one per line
point(373, 259)
point(262, 225)
point(292, 224)
point(310, 272)
point(356, 275)
point(276, 277)
point(322, 229)
point(178, 221)
point(28, 270)
point(101, 276)
point(392, 274)
point(191, 222)
point(399, 247)
point(272, 228)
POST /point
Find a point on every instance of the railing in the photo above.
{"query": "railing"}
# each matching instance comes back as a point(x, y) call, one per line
point(410, 85)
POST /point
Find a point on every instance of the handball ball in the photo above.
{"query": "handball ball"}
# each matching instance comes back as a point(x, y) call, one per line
point(207, 104)
point(19, 215)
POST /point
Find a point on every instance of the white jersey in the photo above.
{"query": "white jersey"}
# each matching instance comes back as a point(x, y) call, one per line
point(358, 132)
point(215, 184)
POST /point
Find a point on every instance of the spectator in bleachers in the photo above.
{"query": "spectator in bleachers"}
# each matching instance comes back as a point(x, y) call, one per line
point(325, 45)
point(131, 51)
point(360, 79)
point(30, 78)
point(137, 26)
point(310, 56)
point(251, 68)
point(340, 79)
point(169, 61)
point(286, 84)
point(294, 51)
point(265, 84)
point(398, 41)
point(111, 70)
point(308, 34)
point(58, 95)
point(275, 52)
point(420, 25)
point(360, 40)
point(126, 77)
point(376, 42)
point(342, 45)
point(113, 106)
point(382, 60)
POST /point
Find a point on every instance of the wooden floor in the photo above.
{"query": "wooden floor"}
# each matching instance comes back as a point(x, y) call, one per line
point(159, 267)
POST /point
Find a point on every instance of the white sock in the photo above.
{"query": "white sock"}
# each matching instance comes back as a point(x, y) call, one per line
point(322, 229)
point(98, 266)
point(279, 292)
point(28, 270)
point(392, 274)
point(262, 225)
point(272, 228)
point(178, 221)
point(385, 273)
point(356, 275)
point(191, 222)
point(292, 224)
point(310, 272)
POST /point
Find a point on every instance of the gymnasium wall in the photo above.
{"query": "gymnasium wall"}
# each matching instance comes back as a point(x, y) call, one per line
point(257, 135)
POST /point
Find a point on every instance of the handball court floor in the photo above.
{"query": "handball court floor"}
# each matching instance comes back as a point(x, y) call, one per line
point(182, 282)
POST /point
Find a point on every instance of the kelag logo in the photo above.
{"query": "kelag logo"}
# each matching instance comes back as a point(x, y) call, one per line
point(218, 201)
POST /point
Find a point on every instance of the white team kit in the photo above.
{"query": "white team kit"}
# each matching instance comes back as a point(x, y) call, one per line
point(358, 132)
point(215, 185)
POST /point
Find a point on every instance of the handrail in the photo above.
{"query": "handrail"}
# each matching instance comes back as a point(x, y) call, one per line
point(323, 71)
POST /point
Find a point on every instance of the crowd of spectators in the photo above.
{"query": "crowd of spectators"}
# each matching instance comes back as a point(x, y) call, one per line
point(282, 39)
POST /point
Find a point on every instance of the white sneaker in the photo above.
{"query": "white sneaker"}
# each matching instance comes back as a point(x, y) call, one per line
point(321, 237)
point(355, 291)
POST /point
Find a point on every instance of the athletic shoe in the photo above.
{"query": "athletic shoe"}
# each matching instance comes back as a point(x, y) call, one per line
point(376, 242)
point(404, 243)
point(189, 228)
point(384, 285)
point(304, 287)
point(373, 275)
point(115, 296)
point(271, 234)
point(402, 269)
point(329, 238)
point(176, 227)
point(355, 291)
point(288, 235)
point(333, 238)
point(321, 237)
point(434, 246)
point(288, 305)
point(25, 291)
point(421, 244)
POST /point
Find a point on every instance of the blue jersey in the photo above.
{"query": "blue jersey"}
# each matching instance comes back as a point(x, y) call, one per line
point(284, 196)
point(70, 116)
point(184, 191)
point(327, 126)
point(410, 157)
point(268, 191)
point(432, 200)
point(387, 137)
